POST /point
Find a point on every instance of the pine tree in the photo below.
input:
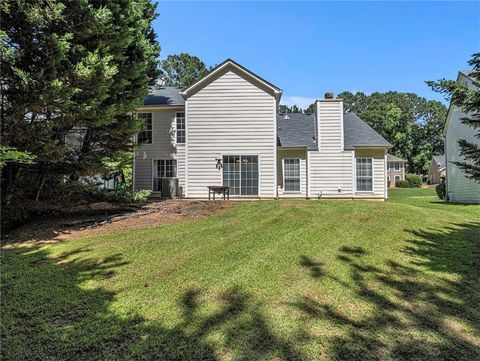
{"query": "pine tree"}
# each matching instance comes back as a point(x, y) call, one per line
point(468, 100)
point(72, 73)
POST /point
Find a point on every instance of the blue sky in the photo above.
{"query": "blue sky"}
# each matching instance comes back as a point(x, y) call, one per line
point(308, 48)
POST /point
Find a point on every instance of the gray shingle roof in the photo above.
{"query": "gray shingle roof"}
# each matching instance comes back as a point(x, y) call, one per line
point(439, 159)
point(165, 96)
point(358, 133)
point(394, 158)
point(299, 131)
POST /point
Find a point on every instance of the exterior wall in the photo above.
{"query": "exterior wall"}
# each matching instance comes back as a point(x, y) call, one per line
point(379, 174)
point(434, 173)
point(330, 168)
point(162, 147)
point(229, 116)
point(459, 187)
point(392, 173)
point(292, 154)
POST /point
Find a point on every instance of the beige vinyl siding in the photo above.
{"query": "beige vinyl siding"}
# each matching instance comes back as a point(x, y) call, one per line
point(460, 188)
point(392, 173)
point(292, 154)
point(379, 175)
point(330, 167)
point(331, 174)
point(434, 176)
point(229, 116)
point(330, 125)
point(163, 147)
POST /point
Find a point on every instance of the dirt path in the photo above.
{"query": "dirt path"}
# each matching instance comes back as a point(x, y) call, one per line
point(101, 218)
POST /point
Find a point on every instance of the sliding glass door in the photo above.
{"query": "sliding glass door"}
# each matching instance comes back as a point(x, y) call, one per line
point(240, 173)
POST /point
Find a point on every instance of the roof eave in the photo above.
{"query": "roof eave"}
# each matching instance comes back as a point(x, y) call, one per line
point(229, 62)
point(372, 146)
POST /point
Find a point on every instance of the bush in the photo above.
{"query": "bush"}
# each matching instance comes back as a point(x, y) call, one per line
point(125, 195)
point(403, 184)
point(415, 181)
point(441, 190)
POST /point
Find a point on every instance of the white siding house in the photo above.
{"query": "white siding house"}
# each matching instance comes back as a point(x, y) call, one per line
point(231, 135)
point(459, 187)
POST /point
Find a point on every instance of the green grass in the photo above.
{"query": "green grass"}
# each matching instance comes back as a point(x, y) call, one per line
point(333, 280)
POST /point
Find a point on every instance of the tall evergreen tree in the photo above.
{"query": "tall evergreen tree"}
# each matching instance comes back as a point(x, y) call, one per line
point(468, 100)
point(72, 73)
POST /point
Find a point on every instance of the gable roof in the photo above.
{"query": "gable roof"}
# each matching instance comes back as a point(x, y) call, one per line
point(357, 133)
point(165, 96)
point(394, 158)
point(299, 130)
point(439, 159)
point(224, 67)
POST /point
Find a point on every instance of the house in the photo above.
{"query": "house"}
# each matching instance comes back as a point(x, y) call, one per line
point(436, 172)
point(460, 188)
point(395, 169)
point(224, 130)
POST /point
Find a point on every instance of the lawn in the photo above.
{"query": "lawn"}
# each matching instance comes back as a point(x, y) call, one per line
point(320, 280)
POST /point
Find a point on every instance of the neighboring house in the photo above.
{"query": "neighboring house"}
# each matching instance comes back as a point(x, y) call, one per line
point(459, 187)
point(436, 172)
point(395, 169)
point(225, 130)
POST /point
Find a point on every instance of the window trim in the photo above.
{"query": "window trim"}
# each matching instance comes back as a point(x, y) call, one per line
point(259, 174)
point(155, 170)
point(395, 166)
point(136, 136)
point(184, 128)
point(299, 176)
point(373, 176)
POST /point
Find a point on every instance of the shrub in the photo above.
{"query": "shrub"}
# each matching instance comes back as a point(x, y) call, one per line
point(441, 190)
point(125, 195)
point(415, 181)
point(403, 184)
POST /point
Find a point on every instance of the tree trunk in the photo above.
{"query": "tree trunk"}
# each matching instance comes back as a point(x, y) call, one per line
point(42, 182)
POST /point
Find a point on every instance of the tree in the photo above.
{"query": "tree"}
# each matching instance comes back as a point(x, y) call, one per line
point(310, 109)
point(282, 108)
point(9, 154)
point(72, 73)
point(182, 69)
point(411, 123)
point(468, 100)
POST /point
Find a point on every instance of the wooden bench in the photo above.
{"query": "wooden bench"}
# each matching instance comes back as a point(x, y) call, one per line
point(225, 190)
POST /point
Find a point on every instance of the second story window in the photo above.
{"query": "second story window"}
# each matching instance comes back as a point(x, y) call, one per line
point(397, 166)
point(180, 126)
point(145, 136)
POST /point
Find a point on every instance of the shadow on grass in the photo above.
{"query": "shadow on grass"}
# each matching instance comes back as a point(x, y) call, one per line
point(49, 312)
point(427, 309)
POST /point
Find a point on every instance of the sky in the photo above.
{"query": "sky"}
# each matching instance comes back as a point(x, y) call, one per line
point(309, 48)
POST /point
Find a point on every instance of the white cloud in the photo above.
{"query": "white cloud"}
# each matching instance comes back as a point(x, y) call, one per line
point(302, 102)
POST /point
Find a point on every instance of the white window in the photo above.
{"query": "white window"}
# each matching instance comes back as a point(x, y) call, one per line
point(163, 168)
point(291, 175)
point(364, 175)
point(180, 127)
point(145, 136)
point(397, 166)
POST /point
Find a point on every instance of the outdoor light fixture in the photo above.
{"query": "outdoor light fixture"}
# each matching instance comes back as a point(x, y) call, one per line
point(219, 165)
